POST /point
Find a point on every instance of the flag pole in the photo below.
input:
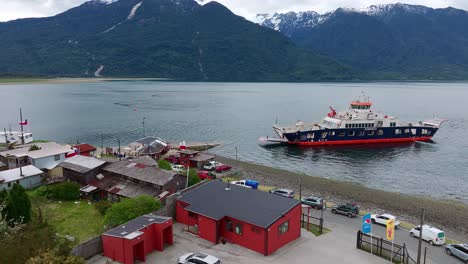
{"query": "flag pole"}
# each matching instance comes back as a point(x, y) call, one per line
point(371, 245)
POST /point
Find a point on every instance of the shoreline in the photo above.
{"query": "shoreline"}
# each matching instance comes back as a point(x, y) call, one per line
point(32, 80)
point(449, 214)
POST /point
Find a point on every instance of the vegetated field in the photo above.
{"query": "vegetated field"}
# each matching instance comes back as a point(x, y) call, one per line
point(80, 220)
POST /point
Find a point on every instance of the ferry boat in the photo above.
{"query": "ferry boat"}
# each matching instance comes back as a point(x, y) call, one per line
point(358, 125)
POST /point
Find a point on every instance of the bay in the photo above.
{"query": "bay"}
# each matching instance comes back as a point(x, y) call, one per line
point(237, 114)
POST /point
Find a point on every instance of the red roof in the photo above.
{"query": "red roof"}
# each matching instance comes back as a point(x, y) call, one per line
point(84, 148)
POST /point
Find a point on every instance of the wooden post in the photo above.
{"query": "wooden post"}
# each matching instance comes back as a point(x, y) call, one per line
point(358, 240)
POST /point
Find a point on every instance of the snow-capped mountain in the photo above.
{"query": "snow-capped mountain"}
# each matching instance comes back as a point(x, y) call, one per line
point(392, 40)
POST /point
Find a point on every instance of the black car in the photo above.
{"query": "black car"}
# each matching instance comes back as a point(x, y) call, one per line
point(348, 209)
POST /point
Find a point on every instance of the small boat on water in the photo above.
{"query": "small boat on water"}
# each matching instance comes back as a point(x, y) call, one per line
point(358, 125)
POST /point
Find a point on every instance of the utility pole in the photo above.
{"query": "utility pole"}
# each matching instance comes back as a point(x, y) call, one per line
point(420, 236)
point(120, 158)
point(236, 158)
point(6, 136)
point(21, 123)
point(102, 144)
point(143, 123)
point(300, 187)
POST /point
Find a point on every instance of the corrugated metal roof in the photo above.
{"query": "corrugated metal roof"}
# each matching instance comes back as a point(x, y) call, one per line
point(47, 149)
point(252, 206)
point(136, 224)
point(82, 164)
point(148, 174)
point(14, 174)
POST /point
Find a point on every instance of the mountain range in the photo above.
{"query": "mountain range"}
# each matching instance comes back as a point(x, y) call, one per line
point(396, 41)
point(177, 39)
point(186, 40)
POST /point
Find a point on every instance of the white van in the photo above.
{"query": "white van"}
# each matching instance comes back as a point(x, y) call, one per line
point(430, 234)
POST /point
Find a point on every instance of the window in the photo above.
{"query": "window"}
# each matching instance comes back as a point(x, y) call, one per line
point(370, 133)
point(351, 133)
point(347, 126)
point(239, 229)
point(397, 131)
point(324, 134)
point(283, 228)
point(424, 131)
point(407, 131)
point(9, 184)
point(341, 134)
point(361, 133)
point(229, 226)
point(332, 133)
point(380, 132)
point(56, 157)
point(192, 215)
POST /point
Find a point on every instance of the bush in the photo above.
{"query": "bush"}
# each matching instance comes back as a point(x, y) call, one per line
point(18, 205)
point(67, 191)
point(164, 165)
point(128, 209)
point(102, 206)
point(193, 177)
point(34, 147)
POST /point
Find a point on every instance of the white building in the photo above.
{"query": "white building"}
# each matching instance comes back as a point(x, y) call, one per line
point(47, 157)
point(15, 137)
point(28, 176)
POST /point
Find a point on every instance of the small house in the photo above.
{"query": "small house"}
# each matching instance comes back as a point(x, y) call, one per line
point(28, 176)
point(81, 169)
point(85, 150)
point(133, 240)
point(259, 221)
point(149, 146)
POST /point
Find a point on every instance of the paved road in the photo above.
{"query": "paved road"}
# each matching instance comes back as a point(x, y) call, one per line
point(340, 223)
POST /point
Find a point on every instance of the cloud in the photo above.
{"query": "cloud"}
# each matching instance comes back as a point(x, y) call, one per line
point(12, 9)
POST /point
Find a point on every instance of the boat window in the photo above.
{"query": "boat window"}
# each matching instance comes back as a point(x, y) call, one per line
point(341, 134)
point(380, 132)
point(332, 133)
point(429, 132)
point(407, 131)
point(351, 133)
point(370, 133)
point(324, 134)
point(361, 133)
point(424, 131)
point(397, 131)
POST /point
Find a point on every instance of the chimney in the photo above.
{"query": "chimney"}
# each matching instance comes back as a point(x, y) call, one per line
point(228, 186)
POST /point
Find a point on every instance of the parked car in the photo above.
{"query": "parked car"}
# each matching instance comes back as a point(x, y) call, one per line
point(283, 192)
point(178, 168)
point(211, 165)
point(199, 258)
point(382, 219)
point(460, 251)
point(206, 175)
point(222, 168)
point(247, 183)
point(430, 234)
point(314, 202)
point(173, 159)
point(348, 209)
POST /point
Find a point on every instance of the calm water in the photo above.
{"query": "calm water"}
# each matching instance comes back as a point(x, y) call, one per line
point(236, 114)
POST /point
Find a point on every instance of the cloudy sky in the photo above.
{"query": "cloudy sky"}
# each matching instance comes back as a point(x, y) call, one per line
point(12, 9)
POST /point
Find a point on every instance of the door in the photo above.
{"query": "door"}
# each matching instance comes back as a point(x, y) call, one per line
point(417, 231)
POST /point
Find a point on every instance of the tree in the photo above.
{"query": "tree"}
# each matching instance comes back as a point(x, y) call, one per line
point(51, 257)
point(8, 230)
point(18, 205)
point(193, 177)
point(164, 165)
point(130, 208)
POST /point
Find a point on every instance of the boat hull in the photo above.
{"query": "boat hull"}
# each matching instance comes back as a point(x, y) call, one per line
point(326, 137)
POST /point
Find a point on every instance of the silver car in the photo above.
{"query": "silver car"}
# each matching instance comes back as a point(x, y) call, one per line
point(283, 192)
point(458, 250)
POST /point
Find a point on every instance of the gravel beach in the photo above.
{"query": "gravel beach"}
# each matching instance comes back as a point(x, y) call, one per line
point(447, 214)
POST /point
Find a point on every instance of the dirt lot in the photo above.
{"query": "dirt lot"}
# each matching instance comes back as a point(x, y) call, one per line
point(451, 215)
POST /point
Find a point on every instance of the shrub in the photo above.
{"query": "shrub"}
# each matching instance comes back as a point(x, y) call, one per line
point(18, 205)
point(164, 165)
point(128, 209)
point(102, 206)
point(34, 147)
point(67, 191)
point(193, 177)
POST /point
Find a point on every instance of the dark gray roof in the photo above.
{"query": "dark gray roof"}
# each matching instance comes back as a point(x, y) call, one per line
point(136, 225)
point(141, 172)
point(252, 206)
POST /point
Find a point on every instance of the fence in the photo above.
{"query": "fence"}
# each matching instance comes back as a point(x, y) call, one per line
point(384, 249)
point(306, 222)
point(89, 248)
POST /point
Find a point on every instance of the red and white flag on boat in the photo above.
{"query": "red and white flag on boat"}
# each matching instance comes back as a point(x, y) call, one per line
point(182, 145)
point(23, 123)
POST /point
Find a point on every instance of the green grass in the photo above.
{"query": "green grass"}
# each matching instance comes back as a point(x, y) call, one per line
point(81, 221)
point(314, 229)
point(40, 141)
point(108, 156)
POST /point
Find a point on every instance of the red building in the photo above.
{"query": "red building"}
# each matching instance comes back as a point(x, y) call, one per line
point(85, 150)
point(137, 238)
point(257, 220)
point(194, 159)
